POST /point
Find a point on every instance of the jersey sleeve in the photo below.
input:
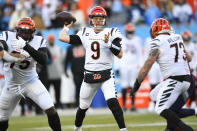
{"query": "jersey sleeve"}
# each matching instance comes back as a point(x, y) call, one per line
point(115, 33)
point(81, 32)
point(43, 43)
point(3, 36)
point(154, 44)
point(3, 39)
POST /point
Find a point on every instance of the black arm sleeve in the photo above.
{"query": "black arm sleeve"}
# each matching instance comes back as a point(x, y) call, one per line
point(3, 45)
point(116, 46)
point(75, 40)
point(39, 55)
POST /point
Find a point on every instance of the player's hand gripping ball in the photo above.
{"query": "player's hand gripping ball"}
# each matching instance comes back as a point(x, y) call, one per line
point(65, 17)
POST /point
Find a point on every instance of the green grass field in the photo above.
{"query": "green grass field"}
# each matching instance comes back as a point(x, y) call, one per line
point(134, 122)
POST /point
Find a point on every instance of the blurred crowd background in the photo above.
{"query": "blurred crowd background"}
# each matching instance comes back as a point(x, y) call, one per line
point(181, 13)
point(63, 69)
point(119, 12)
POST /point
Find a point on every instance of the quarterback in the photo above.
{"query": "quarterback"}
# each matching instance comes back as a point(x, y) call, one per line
point(101, 44)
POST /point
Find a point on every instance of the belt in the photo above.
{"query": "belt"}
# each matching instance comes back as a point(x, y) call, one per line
point(97, 71)
point(181, 78)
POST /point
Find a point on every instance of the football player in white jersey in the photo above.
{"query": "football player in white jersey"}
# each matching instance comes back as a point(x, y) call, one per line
point(168, 50)
point(154, 75)
point(130, 62)
point(2, 80)
point(21, 77)
point(192, 49)
point(101, 44)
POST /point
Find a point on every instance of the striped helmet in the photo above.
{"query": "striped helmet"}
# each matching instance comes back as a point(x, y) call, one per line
point(25, 28)
point(160, 26)
point(97, 11)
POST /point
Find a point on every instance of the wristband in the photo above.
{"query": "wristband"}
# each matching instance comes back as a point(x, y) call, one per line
point(66, 28)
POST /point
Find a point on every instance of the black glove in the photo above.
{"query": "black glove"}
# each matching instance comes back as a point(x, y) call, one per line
point(135, 88)
point(115, 46)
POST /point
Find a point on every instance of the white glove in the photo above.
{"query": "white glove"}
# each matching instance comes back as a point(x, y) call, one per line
point(18, 43)
point(9, 58)
point(25, 53)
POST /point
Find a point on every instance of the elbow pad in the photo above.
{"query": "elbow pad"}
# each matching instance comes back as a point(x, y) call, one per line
point(115, 46)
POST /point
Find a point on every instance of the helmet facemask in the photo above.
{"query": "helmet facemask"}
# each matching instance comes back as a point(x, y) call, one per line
point(129, 30)
point(25, 34)
point(97, 17)
point(98, 22)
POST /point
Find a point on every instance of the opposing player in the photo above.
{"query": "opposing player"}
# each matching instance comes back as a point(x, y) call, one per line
point(131, 62)
point(101, 44)
point(168, 50)
point(21, 77)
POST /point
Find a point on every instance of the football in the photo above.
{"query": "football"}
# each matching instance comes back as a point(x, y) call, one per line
point(65, 17)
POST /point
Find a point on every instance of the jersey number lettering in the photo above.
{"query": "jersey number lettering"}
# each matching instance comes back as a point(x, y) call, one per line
point(95, 47)
point(23, 64)
point(177, 49)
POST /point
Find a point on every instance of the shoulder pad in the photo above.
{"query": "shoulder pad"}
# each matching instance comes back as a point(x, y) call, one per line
point(154, 43)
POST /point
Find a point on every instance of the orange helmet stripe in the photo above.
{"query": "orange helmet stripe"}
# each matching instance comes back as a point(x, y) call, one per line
point(158, 25)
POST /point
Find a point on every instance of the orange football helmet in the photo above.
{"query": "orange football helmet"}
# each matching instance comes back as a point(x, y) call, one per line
point(129, 27)
point(160, 26)
point(97, 11)
point(186, 35)
point(25, 28)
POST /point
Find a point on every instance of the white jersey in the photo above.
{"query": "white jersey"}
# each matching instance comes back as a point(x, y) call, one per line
point(98, 56)
point(192, 49)
point(154, 75)
point(25, 71)
point(172, 59)
point(1, 67)
point(132, 50)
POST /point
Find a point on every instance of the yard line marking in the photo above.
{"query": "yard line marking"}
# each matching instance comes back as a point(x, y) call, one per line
point(107, 125)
